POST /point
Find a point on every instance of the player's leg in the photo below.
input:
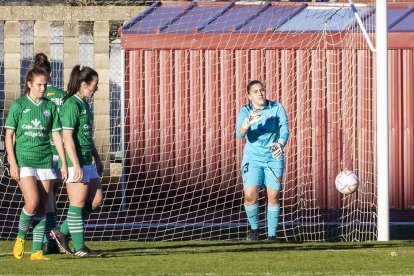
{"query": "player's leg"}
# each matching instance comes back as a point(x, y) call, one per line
point(49, 244)
point(93, 201)
point(77, 193)
point(39, 221)
point(274, 175)
point(95, 194)
point(73, 224)
point(29, 190)
point(252, 175)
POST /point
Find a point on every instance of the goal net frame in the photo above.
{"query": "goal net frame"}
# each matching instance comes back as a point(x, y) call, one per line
point(174, 182)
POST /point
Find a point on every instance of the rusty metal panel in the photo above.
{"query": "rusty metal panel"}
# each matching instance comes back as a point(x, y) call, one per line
point(301, 135)
point(395, 127)
point(333, 131)
point(408, 127)
point(182, 106)
point(364, 134)
point(196, 119)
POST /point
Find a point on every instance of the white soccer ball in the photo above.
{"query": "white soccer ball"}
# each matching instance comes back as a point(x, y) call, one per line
point(346, 182)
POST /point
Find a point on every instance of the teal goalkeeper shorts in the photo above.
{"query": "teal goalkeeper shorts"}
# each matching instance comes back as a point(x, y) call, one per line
point(263, 174)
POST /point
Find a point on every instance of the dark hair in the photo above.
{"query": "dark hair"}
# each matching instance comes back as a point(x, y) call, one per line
point(78, 75)
point(32, 72)
point(251, 83)
point(40, 60)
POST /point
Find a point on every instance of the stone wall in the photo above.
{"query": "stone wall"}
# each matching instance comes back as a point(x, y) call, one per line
point(43, 16)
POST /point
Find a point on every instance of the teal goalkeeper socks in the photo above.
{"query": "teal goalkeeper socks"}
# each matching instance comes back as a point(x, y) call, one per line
point(272, 219)
point(252, 212)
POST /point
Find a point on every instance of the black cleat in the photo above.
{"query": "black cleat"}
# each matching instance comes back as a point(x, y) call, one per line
point(253, 235)
point(49, 248)
point(61, 240)
point(85, 252)
point(271, 239)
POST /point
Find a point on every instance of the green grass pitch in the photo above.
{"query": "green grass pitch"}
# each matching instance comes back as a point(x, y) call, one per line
point(223, 258)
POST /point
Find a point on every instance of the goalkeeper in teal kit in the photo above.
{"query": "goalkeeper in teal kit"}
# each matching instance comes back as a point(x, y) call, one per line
point(264, 124)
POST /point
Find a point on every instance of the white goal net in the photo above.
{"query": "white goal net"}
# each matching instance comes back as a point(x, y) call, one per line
point(172, 81)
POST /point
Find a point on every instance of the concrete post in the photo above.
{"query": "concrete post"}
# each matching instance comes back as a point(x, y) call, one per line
point(11, 62)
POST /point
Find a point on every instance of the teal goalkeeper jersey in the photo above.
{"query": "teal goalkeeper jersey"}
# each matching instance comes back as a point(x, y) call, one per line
point(56, 96)
point(75, 114)
point(33, 122)
point(272, 128)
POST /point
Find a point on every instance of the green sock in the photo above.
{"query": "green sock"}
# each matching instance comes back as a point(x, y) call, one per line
point(50, 224)
point(64, 227)
point(75, 223)
point(24, 224)
point(39, 224)
point(86, 211)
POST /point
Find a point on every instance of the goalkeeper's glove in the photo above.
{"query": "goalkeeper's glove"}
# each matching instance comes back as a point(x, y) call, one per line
point(253, 118)
point(277, 150)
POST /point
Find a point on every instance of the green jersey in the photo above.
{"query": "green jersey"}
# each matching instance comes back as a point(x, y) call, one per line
point(33, 122)
point(75, 114)
point(55, 95)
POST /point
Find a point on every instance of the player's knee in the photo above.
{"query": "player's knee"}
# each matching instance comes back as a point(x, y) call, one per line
point(250, 199)
point(31, 205)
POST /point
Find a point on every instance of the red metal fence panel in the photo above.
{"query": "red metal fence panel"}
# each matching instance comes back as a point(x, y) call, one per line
point(182, 106)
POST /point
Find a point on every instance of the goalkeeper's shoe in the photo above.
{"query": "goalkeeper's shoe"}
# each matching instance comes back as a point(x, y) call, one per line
point(18, 249)
point(38, 256)
point(253, 235)
point(271, 239)
point(61, 240)
point(85, 252)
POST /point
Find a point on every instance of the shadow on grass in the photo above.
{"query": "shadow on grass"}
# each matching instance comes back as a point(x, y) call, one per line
point(245, 246)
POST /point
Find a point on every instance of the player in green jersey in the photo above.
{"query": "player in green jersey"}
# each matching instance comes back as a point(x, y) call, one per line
point(83, 183)
point(29, 123)
point(55, 95)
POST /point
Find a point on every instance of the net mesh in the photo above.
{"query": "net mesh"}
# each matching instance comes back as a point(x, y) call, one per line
point(173, 84)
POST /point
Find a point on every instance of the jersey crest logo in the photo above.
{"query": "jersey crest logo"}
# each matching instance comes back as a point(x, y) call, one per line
point(83, 112)
point(46, 113)
point(26, 110)
point(36, 122)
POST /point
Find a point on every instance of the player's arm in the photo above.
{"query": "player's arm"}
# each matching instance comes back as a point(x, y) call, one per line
point(97, 159)
point(9, 141)
point(283, 126)
point(57, 140)
point(11, 125)
point(71, 151)
point(69, 115)
point(277, 147)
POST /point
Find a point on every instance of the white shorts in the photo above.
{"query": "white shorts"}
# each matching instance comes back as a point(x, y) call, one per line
point(40, 174)
point(89, 172)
